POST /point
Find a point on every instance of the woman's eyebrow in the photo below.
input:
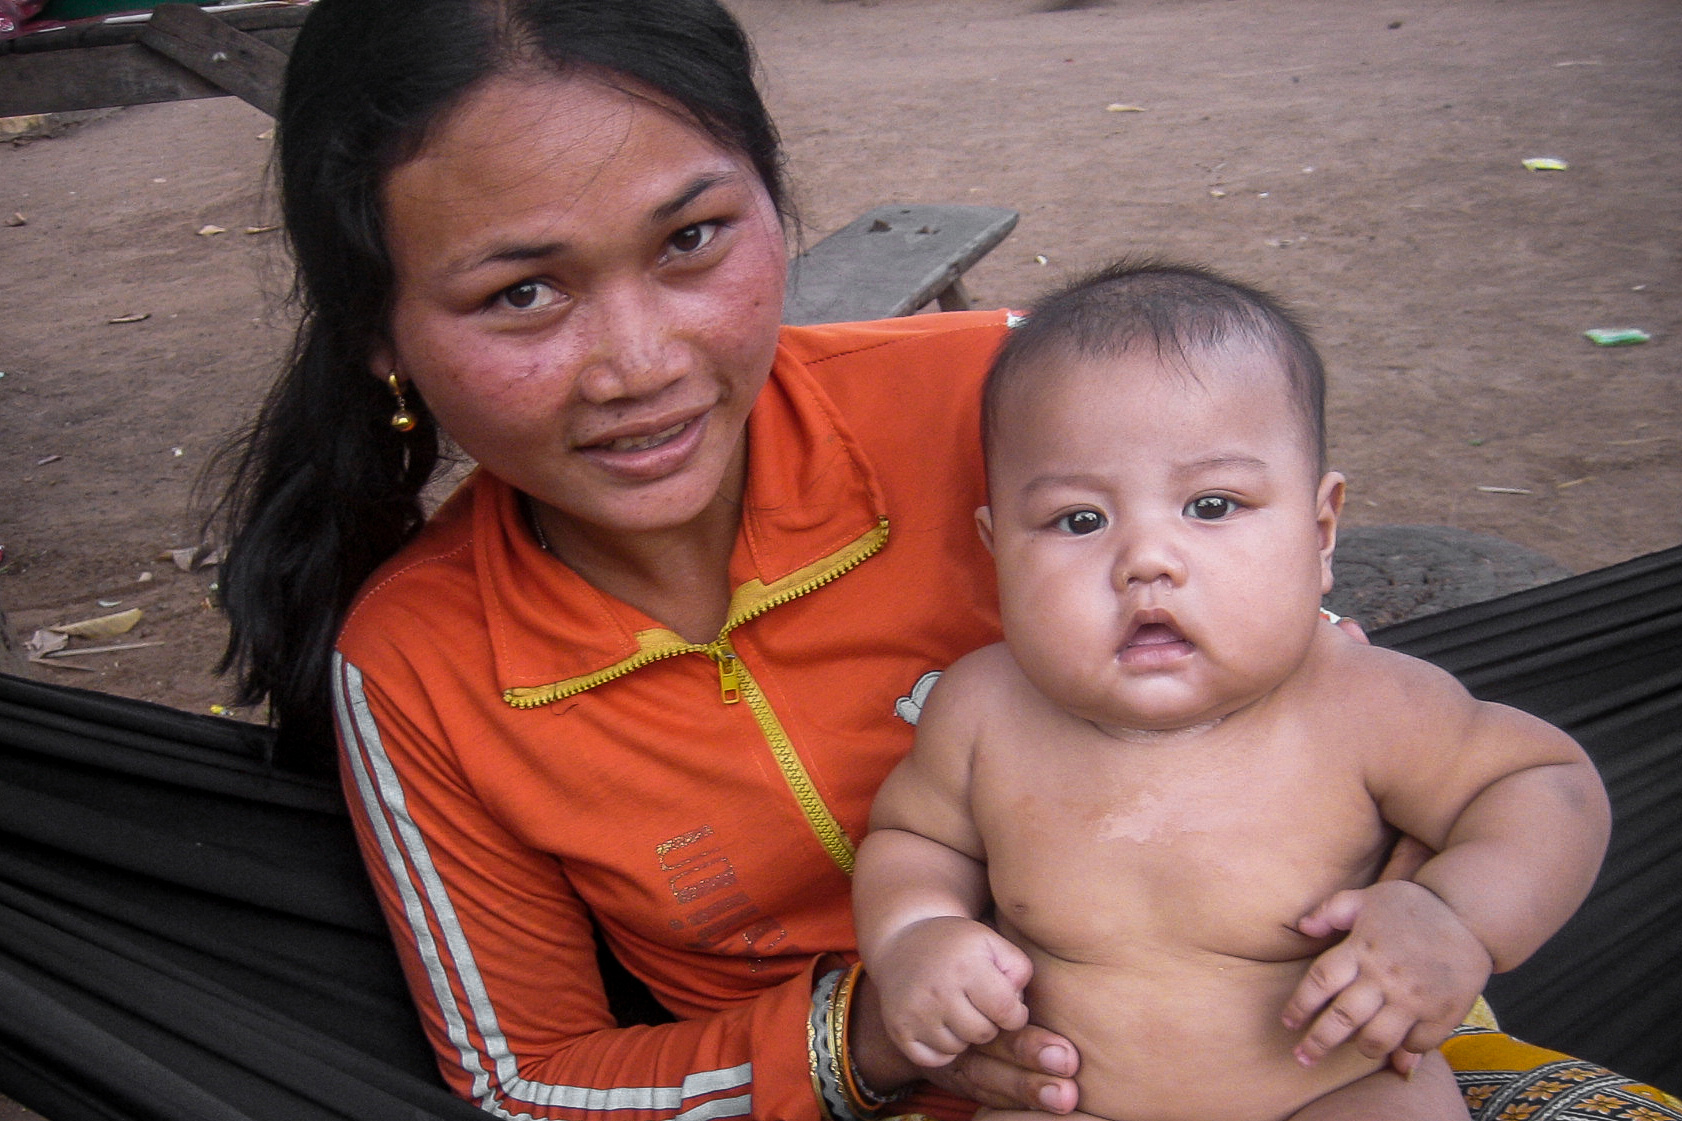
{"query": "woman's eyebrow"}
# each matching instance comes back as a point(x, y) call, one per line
point(667, 210)
point(521, 252)
point(693, 190)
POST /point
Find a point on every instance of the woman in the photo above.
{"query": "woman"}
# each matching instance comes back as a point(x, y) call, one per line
point(643, 672)
point(555, 232)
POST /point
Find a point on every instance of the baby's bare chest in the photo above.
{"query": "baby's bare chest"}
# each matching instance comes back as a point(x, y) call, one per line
point(1100, 856)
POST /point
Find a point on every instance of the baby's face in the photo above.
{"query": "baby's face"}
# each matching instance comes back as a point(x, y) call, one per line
point(1162, 540)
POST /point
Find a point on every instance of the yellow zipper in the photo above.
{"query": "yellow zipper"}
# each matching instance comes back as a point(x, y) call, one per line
point(729, 676)
point(736, 683)
point(830, 834)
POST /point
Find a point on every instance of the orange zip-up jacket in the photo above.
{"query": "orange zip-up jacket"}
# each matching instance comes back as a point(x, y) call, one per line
point(526, 755)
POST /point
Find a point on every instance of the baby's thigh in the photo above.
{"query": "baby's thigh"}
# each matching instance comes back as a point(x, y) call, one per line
point(1430, 1095)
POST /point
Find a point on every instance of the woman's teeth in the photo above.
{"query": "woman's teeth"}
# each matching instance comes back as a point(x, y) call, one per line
point(641, 443)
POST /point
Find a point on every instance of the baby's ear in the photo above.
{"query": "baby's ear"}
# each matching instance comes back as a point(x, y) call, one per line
point(1328, 507)
point(984, 525)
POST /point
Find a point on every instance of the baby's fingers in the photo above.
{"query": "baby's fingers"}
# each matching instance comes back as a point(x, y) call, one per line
point(1336, 913)
point(998, 999)
point(1386, 1032)
point(931, 1055)
point(1331, 973)
point(1352, 1011)
point(937, 1044)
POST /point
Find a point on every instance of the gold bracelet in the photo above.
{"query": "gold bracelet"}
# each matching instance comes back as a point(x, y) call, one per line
point(864, 1102)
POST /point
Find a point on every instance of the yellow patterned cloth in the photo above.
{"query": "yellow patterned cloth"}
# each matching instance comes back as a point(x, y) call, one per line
point(1506, 1079)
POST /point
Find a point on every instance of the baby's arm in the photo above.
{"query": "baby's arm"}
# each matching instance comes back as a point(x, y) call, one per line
point(1520, 819)
point(946, 979)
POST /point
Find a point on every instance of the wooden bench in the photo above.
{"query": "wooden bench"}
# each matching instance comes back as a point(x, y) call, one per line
point(891, 261)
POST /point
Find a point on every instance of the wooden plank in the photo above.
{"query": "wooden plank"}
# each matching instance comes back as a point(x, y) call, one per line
point(101, 65)
point(94, 78)
point(243, 65)
point(891, 261)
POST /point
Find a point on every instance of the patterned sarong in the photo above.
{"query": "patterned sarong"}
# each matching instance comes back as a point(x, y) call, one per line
point(1506, 1079)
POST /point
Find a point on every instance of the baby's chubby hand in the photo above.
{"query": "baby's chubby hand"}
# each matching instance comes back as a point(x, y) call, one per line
point(948, 983)
point(1398, 985)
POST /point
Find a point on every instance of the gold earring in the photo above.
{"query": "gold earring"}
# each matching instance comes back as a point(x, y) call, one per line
point(402, 420)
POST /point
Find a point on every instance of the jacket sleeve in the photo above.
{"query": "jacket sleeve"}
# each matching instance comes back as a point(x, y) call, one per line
point(500, 956)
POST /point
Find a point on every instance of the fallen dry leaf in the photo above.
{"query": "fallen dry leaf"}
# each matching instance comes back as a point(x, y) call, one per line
point(134, 317)
point(194, 556)
point(17, 219)
point(104, 626)
point(211, 231)
point(45, 642)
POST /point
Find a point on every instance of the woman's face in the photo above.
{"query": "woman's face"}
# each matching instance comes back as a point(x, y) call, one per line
point(587, 294)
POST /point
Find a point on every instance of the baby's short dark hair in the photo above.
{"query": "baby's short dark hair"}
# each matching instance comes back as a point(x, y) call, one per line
point(1169, 307)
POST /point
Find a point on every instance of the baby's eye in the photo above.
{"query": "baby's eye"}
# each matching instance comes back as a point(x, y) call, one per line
point(692, 239)
point(1210, 508)
point(1081, 522)
point(528, 295)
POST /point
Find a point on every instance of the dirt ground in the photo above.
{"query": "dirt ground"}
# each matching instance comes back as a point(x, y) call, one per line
point(1365, 159)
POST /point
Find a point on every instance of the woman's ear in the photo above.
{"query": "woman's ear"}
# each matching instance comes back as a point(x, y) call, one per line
point(984, 525)
point(1328, 507)
point(382, 362)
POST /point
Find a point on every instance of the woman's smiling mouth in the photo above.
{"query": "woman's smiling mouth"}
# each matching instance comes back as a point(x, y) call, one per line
point(649, 455)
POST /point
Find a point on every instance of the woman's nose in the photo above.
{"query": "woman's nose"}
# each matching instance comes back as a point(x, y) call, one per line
point(636, 351)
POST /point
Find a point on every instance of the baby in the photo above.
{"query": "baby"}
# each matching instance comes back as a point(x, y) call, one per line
point(1148, 817)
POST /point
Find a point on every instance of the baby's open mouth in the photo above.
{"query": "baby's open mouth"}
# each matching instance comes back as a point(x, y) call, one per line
point(1154, 634)
point(1155, 645)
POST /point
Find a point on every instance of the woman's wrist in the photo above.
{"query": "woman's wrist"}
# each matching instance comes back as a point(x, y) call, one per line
point(857, 1072)
point(881, 1066)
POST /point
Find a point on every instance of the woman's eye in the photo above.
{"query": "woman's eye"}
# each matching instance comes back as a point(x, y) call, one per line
point(1210, 508)
point(528, 295)
point(1081, 522)
point(694, 238)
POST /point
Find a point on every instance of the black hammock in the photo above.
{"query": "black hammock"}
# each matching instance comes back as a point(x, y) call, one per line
point(185, 931)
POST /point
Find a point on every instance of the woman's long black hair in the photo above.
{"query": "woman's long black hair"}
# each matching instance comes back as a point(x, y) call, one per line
point(323, 489)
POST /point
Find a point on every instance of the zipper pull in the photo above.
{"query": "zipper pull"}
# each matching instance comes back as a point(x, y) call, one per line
point(729, 681)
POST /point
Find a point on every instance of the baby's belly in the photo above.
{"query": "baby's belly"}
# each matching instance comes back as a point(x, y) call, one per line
point(1184, 1039)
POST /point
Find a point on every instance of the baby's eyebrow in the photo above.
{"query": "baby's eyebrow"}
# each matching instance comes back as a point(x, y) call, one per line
point(1222, 461)
point(1048, 482)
